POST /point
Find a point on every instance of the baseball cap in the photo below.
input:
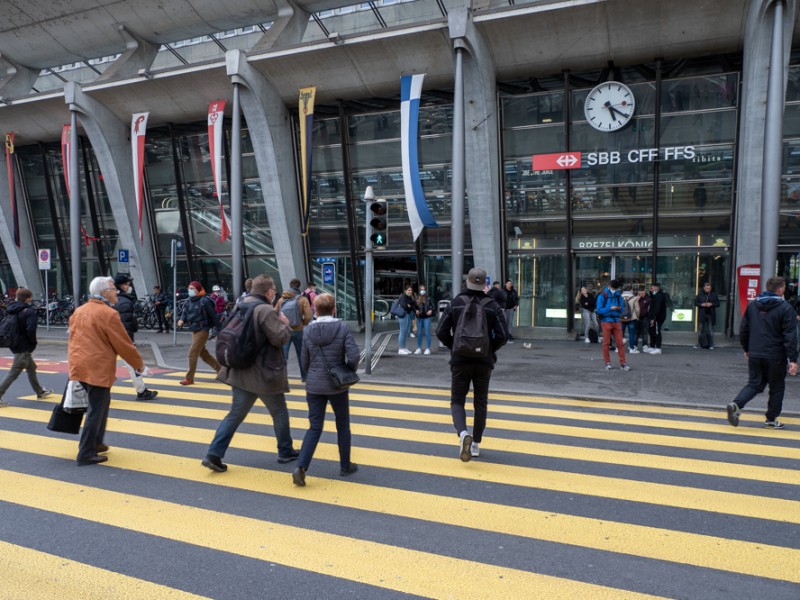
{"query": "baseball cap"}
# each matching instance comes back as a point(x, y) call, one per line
point(476, 279)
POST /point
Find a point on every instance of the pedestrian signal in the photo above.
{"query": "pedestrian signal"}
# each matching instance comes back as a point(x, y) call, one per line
point(379, 223)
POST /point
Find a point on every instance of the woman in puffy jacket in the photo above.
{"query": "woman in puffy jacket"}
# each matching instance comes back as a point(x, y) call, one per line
point(326, 342)
point(424, 312)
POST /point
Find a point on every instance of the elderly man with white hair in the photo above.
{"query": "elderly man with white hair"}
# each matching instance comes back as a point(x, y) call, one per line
point(96, 337)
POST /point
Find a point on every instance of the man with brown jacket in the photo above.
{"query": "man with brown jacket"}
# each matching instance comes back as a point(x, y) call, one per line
point(297, 309)
point(265, 378)
point(96, 337)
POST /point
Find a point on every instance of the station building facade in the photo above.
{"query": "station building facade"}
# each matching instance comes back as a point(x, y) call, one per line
point(662, 197)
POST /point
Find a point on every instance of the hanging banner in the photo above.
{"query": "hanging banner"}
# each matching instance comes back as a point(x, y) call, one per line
point(306, 126)
point(216, 113)
point(12, 196)
point(65, 153)
point(138, 128)
point(418, 212)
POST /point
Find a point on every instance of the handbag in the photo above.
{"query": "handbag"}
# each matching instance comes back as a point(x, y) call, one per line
point(64, 422)
point(340, 376)
point(75, 399)
point(397, 310)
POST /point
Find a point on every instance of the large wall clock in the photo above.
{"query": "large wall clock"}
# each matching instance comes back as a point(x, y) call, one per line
point(609, 106)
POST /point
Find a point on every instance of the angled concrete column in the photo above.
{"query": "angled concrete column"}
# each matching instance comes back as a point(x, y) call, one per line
point(753, 108)
point(18, 80)
point(109, 138)
point(23, 260)
point(139, 55)
point(287, 28)
point(481, 141)
point(270, 131)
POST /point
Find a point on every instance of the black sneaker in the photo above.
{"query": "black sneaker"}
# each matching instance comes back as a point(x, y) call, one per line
point(625, 368)
point(349, 470)
point(214, 463)
point(146, 395)
point(289, 457)
point(733, 413)
point(774, 424)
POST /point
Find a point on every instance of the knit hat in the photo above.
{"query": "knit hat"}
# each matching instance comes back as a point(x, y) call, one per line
point(196, 285)
point(121, 278)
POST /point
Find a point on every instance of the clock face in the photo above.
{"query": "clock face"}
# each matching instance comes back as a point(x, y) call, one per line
point(609, 106)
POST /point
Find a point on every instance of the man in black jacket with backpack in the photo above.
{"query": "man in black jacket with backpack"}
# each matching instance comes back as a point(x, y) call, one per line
point(474, 329)
point(23, 345)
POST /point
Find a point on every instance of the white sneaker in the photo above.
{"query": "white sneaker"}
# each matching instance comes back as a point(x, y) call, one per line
point(404, 351)
point(418, 351)
point(465, 444)
point(427, 351)
point(633, 351)
point(645, 348)
point(655, 351)
point(587, 340)
point(474, 449)
point(412, 335)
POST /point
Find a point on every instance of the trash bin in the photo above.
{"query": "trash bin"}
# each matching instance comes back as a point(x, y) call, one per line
point(441, 307)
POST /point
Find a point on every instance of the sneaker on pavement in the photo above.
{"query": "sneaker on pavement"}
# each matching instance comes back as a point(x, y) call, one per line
point(465, 445)
point(427, 351)
point(146, 395)
point(645, 348)
point(412, 335)
point(655, 350)
point(696, 347)
point(289, 457)
point(774, 424)
point(633, 351)
point(608, 367)
point(587, 340)
point(187, 381)
point(418, 351)
point(404, 351)
point(475, 450)
point(733, 413)
point(214, 463)
point(3, 403)
point(349, 470)
point(711, 348)
point(44, 394)
point(624, 368)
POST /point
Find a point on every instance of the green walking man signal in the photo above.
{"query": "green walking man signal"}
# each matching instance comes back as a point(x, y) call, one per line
point(379, 223)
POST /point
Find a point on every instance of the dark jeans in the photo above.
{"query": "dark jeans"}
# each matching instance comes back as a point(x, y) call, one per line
point(23, 361)
point(162, 317)
point(297, 340)
point(94, 425)
point(317, 403)
point(479, 375)
point(707, 328)
point(242, 403)
point(763, 372)
point(655, 334)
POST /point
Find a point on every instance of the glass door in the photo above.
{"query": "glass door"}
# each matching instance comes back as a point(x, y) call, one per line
point(595, 271)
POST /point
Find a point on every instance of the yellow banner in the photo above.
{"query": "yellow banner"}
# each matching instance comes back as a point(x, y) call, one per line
point(306, 122)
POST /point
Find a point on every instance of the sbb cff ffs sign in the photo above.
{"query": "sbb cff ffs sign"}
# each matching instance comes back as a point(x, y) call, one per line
point(558, 161)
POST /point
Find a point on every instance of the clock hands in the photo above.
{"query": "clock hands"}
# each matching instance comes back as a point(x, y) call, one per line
point(615, 111)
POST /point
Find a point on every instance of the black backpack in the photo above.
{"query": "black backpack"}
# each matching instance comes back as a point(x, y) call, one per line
point(471, 337)
point(237, 343)
point(9, 331)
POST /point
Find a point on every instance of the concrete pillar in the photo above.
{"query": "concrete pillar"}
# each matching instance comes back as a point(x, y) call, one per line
point(139, 55)
point(753, 108)
point(18, 80)
point(482, 160)
point(23, 260)
point(112, 148)
point(288, 27)
point(270, 130)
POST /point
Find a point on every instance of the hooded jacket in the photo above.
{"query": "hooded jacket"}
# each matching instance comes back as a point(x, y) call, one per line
point(332, 339)
point(768, 328)
point(26, 342)
point(198, 313)
point(267, 374)
point(607, 299)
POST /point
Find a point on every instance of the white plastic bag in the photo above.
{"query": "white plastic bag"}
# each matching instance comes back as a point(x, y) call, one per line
point(76, 398)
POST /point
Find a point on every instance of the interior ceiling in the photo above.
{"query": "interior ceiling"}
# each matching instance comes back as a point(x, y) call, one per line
point(578, 36)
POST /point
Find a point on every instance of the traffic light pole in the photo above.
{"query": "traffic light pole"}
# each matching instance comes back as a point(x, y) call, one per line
point(369, 284)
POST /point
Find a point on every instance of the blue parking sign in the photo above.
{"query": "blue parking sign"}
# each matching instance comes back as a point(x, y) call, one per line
point(123, 256)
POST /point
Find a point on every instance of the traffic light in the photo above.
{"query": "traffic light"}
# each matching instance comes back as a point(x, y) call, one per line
point(379, 223)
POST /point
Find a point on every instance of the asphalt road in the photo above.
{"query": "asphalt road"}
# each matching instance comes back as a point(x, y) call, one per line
point(570, 498)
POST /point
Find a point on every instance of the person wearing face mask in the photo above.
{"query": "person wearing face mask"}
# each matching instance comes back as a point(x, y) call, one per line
point(424, 312)
point(124, 306)
point(406, 301)
point(199, 316)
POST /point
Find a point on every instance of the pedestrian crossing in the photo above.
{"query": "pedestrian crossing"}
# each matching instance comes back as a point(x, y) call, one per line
point(569, 499)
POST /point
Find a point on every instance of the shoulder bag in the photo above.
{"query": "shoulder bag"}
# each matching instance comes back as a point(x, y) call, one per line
point(340, 376)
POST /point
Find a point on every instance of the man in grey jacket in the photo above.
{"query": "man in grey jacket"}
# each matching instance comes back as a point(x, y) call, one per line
point(265, 378)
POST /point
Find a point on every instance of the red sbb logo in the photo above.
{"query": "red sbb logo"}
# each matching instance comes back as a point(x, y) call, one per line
point(559, 161)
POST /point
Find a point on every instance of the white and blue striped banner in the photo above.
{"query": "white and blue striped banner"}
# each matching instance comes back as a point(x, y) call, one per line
point(418, 212)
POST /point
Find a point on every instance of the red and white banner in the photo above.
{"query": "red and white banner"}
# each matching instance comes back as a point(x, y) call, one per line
point(138, 128)
point(216, 112)
point(559, 161)
point(65, 153)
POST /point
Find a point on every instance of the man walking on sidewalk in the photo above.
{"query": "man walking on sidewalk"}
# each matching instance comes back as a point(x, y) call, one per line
point(769, 338)
point(23, 346)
